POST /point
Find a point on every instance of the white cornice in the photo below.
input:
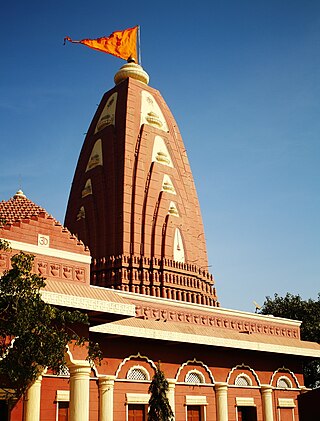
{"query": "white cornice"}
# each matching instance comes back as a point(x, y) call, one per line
point(138, 332)
point(86, 303)
point(48, 251)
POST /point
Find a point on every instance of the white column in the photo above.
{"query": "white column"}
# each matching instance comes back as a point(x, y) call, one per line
point(222, 401)
point(106, 387)
point(32, 401)
point(267, 405)
point(171, 394)
point(79, 391)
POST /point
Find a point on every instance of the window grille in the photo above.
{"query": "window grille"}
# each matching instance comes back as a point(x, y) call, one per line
point(64, 371)
point(284, 383)
point(137, 374)
point(194, 377)
point(243, 381)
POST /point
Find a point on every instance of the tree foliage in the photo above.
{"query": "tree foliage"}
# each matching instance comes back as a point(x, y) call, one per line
point(307, 311)
point(33, 334)
point(159, 407)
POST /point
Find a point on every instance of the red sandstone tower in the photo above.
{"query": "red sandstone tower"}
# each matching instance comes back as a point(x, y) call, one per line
point(133, 199)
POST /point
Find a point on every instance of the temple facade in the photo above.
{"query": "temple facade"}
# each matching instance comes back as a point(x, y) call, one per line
point(132, 255)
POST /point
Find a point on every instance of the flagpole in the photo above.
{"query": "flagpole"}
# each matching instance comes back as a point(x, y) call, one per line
point(139, 46)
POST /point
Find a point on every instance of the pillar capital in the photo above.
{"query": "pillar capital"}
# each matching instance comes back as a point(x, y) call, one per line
point(81, 368)
point(172, 383)
point(266, 388)
point(221, 386)
point(106, 381)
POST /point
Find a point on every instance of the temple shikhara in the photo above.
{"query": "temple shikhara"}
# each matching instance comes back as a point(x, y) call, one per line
point(132, 255)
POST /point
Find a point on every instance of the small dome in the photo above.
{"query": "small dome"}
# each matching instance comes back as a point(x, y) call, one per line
point(133, 70)
point(19, 194)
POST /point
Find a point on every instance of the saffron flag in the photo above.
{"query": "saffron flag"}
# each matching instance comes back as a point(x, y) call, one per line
point(122, 44)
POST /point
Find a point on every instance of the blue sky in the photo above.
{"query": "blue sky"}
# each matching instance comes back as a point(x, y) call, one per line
point(242, 80)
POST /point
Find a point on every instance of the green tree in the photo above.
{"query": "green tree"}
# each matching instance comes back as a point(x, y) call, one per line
point(307, 311)
point(33, 334)
point(159, 407)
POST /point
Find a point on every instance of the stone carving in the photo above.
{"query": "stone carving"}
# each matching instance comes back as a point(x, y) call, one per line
point(213, 321)
point(43, 268)
point(55, 270)
point(67, 272)
point(80, 274)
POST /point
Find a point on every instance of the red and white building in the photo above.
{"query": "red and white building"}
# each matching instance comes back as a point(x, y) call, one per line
point(144, 284)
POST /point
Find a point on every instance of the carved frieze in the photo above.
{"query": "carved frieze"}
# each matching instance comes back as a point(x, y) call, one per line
point(220, 322)
point(59, 270)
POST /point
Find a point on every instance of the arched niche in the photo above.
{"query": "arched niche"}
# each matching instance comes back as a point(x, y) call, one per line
point(151, 113)
point(160, 152)
point(178, 247)
point(108, 115)
point(95, 156)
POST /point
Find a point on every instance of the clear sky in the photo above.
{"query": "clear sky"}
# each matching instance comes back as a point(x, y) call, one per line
point(242, 80)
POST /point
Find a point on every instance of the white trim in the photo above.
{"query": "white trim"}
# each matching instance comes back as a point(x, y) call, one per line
point(286, 403)
point(137, 398)
point(245, 401)
point(63, 396)
point(139, 332)
point(241, 367)
point(202, 307)
point(48, 251)
point(86, 303)
point(288, 371)
point(196, 400)
point(125, 360)
point(207, 369)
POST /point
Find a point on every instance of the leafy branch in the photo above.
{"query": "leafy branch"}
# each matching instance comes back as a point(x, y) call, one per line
point(41, 332)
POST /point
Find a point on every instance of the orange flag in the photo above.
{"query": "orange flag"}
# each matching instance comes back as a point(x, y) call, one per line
point(122, 44)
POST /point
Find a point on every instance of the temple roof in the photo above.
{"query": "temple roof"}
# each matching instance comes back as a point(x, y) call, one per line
point(17, 217)
point(18, 208)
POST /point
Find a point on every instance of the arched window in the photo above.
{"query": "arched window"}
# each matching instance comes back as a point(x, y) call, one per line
point(284, 382)
point(138, 373)
point(243, 380)
point(194, 377)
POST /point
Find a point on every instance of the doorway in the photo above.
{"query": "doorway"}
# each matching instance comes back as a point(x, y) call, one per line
point(246, 413)
point(137, 412)
point(193, 413)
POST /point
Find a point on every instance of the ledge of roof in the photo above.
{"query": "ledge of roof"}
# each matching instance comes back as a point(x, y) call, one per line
point(100, 300)
point(175, 332)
